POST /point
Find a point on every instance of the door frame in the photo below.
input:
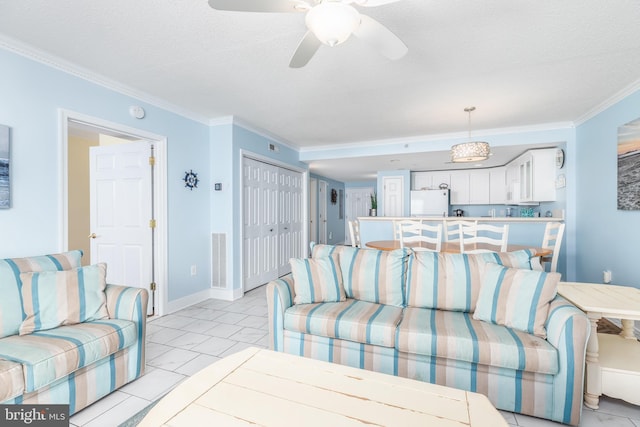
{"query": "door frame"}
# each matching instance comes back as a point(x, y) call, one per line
point(305, 207)
point(313, 209)
point(159, 191)
point(322, 210)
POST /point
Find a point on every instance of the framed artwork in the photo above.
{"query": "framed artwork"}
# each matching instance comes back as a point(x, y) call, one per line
point(629, 166)
point(5, 184)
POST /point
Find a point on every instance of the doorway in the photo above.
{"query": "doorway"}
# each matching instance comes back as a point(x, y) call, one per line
point(145, 263)
point(358, 201)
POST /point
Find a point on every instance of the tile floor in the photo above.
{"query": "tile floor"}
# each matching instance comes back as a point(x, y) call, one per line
point(182, 343)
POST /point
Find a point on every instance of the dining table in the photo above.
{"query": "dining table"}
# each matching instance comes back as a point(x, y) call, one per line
point(454, 247)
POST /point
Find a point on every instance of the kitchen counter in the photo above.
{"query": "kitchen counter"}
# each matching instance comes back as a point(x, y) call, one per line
point(502, 219)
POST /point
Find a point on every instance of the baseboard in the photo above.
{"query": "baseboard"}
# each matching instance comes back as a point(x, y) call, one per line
point(189, 300)
point(226, 294)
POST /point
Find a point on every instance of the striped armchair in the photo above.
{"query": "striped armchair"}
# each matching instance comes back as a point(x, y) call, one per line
point(444, 343)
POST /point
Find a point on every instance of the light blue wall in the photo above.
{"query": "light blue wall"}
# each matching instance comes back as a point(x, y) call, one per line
point(607, 238)
point(31, 96)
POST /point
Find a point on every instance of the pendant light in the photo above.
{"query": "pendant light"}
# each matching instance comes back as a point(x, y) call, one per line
point(472, 151)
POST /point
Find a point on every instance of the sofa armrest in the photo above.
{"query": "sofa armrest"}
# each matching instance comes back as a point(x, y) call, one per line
point(568, 330)
point(280, 295)
point(129, 303)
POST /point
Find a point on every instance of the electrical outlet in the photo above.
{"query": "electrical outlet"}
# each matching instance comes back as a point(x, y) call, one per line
point(330, 235)
point(194, 270)
point(606, 276)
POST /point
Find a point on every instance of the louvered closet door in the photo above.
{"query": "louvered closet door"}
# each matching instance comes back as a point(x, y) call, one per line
point(290, 219)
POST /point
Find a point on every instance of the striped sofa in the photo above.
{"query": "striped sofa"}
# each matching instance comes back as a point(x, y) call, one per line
point(416, 319)
point(75, 364)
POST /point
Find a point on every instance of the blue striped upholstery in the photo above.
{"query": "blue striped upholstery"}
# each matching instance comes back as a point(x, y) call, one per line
point(11, 379)
point(374, 276)
point(11, 314)
point(540, 384)
point(55, 298)
point(120, 341)
point(320, 250)
point(317, 279)
point(456, 336)
point(351, 320)
point(516, 298)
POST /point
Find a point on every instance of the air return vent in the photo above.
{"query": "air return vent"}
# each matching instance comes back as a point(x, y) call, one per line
point(219, 261)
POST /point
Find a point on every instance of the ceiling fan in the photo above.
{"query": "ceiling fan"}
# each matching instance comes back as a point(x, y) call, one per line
point(329, 22)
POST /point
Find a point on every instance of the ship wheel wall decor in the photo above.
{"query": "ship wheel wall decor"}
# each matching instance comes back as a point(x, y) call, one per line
point(191, 180)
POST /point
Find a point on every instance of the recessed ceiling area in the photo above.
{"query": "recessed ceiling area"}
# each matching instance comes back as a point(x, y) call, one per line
point(521, 63)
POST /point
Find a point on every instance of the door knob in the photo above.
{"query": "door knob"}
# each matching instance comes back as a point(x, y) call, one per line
point(92, 236)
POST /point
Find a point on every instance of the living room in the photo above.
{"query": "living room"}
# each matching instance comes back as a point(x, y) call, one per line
point(41, 91)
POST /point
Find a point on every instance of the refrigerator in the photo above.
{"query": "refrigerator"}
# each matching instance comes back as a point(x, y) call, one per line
point(430, 203)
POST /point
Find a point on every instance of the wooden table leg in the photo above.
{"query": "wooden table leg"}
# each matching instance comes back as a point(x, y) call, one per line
point(593, 384)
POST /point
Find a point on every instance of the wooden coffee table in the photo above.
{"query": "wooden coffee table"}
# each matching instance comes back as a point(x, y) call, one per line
point(263, 387)
point(612, 361)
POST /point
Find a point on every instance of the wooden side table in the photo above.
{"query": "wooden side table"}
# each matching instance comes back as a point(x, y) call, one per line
point(613, 361)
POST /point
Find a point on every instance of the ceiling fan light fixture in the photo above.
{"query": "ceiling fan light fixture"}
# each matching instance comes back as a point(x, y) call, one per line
point(332, 22)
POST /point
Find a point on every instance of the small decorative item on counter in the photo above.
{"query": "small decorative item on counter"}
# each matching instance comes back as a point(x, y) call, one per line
point(526, 212)
point(374, 205)
point(548, 214)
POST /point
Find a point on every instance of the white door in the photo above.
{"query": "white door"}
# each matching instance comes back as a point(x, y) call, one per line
point(322, 212)
point(260, 219)
point(290, 219)
point(358, 203)
point(121, 211)
point(393, 187)
point(313, 210)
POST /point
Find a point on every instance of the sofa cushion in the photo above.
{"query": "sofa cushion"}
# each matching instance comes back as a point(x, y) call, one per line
point(317, 280)
point(352, 320)
point(451, 281)
point(55, 353)
point(516, 298)
point(320, 250)
point(11, 314)
point(373, 275)
point(457, 336)
point(12, 380)
point(55, 298)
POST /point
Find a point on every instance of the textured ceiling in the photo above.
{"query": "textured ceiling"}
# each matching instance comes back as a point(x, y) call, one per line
point(519, 62)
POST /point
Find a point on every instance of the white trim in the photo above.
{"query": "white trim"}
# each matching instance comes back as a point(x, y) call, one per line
point(160, 191)
point(265, 134)
point(609, 102)
point(436, 137)
point(53, 61)
point(305, 206)
point(188, 301)
point(224, 120)
point(226, 294)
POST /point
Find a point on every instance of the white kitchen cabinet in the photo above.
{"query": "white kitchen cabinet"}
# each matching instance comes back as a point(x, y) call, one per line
point(497, 186)
point(429, 180)
point(479, 187)
point(459, 188)
point(535, 176)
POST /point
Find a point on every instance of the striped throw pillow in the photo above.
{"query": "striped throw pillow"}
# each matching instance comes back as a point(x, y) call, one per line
point(373, 275)
point(11, 314)
point(317, 280)
point(320, 250)
point(56, 298)
point(516, 298)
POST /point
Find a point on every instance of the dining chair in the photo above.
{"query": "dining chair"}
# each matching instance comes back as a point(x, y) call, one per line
point(451, 229)
point(397, 227)
point(552, 239)
point(415, 236)
point(493, 238)
point(354, 232)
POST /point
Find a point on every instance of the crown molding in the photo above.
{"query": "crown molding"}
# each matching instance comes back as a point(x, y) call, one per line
point(609, 102)
point(45, 58)
point(264, 133)
point(440, 137)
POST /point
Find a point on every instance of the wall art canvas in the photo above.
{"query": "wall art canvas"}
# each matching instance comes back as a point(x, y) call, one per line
point(629, 166)
point(5, 186)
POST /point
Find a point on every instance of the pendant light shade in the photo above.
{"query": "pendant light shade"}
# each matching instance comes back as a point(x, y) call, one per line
point(472, 151)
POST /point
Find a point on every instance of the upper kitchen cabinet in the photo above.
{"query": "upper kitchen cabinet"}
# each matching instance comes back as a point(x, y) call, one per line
point(430, 180)
point(531, 177)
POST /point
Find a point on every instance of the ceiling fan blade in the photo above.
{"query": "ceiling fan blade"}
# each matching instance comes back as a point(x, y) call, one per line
point(380, 38)
point(305, 51)
point(276, 6)
point(372, 3)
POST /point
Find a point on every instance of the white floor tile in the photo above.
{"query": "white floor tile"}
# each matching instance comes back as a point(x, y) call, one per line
point(202, 326)
point(509, 417)
point(173, 321)
point(153, 384)
point(223, 330)
point(173, 359)
point(257, 322)
point(618, 407)
point(236, 348)
point(98, 408)
point(195, 365)
point(119, 413)
point(154, 350)
point(188, 340)
point(597, 418)
point(248, 335)
point(527, 421)
point(214, 346)
point(231, 318)
point(164, 335)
